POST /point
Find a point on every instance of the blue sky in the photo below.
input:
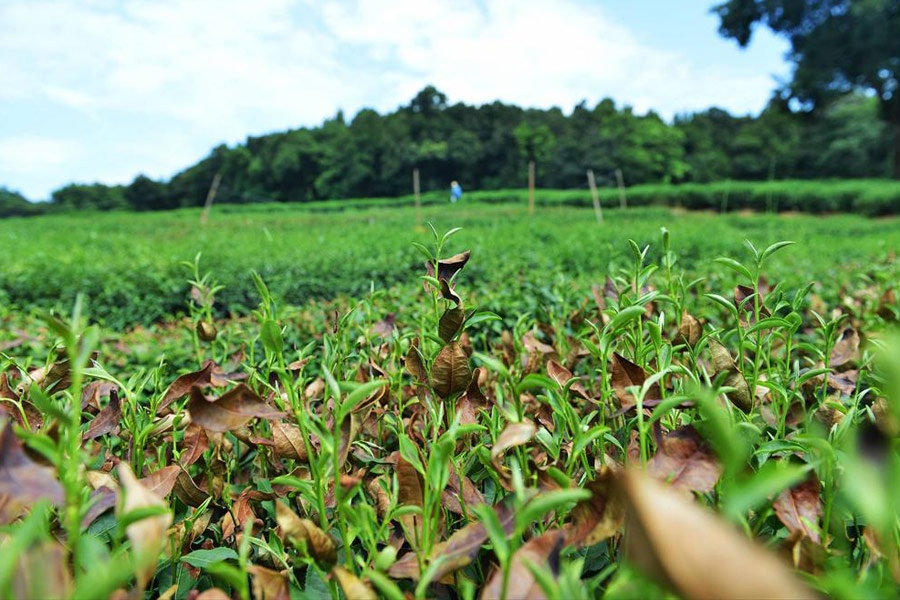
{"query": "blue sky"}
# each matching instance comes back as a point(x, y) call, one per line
point(103, 90)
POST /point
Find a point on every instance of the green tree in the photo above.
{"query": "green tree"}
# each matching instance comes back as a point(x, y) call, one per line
point(837, 46)
point(95, 196)
point(146, 194)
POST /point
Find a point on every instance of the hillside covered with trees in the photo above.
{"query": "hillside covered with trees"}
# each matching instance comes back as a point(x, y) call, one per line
point(489, 146)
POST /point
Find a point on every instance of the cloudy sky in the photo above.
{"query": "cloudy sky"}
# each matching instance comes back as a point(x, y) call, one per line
point(102, 90)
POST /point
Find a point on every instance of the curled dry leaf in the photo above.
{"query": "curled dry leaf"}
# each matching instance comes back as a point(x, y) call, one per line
point(800, 509)
point(690, 330)
point(696, 553)
point(448, 293)
point(514, 434)
point(449, 267)
point(182, 386)
point(458, 490)
point(188, 491)
point(473, 400)
point(162, 482)
point(354, 588)
point(562, 376)
point(685, 460)
point(22, 480)
point(269, 584)
point(846, 349)
point(450, 373)
point(599, 517)
point(541, 552)
point(289, 441)
point(410, 492)
point(459, 550)
point(413, 363)
point(624, 374)
point(305, 536)
point(722, 362)
point(42, 571)
point(451, 322)
point(229, 411)
point(148, 535)
point(195, 443)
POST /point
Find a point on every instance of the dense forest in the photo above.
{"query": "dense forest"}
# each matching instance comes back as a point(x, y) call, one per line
point(489, 147)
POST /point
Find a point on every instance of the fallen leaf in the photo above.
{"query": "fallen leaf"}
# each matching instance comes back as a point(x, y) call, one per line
point(450, 323)
point(162, 481)
point(23, 480)
point(269, 584)
point(107, 420)
point(541, 552)
point(723, 362)
point(599, 517)
point(473, 400)
point(305, 536)
point(450, 373)
point(289, 441)
point(195, 443)
point(514, 434)
point(690, 330)
point(413, 363)
point(410, 492)
point(624, 374)
point(147, 535)
point(800, 508)
point(229, 411)
point(188, 491)
point(449, 267)
point(685, 461)
point(562, 376)
point(182, 386)
point(42, 571)
point(846, 349)
point(354, 588)
point(684, 546)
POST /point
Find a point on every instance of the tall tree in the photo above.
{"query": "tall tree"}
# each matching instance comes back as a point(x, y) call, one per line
point(837, 46)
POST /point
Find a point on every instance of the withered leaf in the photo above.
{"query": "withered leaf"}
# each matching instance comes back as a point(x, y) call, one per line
point(305, 536)
point(448, 293)
point(800, 508)
point(450, 372)
point(624, 374)
point(181, 386)
point(289, 441)
point(599, 517)
point(542, 551)
point(352, 585)
point(846, 349)
point(456, 552)
point(413, 363)
point(349, 431)
point(690, 330)
point(562, 376)
point(107, 420)
point(685, 461)
point(473, 400)
point(718, 561)
point(161, 482)
point(42, 571)
point(456, 490)
point(188, 491)
point(385, 327)
point(722, 362)
point(148, 535)
point(269, 584)
point(514, 434)
point(21, 478)
point(449, 267)
point(195, 443)
point(229, 411)
point(450, 323)
point(410, 492)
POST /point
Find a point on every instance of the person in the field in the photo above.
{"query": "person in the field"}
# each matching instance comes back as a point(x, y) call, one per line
point(455, 191)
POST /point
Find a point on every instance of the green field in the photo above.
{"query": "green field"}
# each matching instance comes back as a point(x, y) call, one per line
point(573, 410)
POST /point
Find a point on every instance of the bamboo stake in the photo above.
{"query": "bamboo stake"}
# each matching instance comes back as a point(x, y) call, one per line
point(210, 197)
point(623, 201)
point(417, 197)
point(592, 183)
point(531, 187)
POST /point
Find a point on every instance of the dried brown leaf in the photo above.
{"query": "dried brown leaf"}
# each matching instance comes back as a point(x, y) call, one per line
point(685, 460)
point(289, 441)
point(451, 322)
point(413, 363)
point(21, 479)
point(450, 373)
point(410, 486)
point(107, 420)
point(42, 571)
point(846, 349)
point(354, 588)
point(148, 535)
point(690, 330)
point(195, 443)
point(229, 411)
point(182, 386)
point(599, 517)
point(305, 536)
point(562, 376)
point(684, 546)
point(161, 482)
point(624, 374)
point(514, 434)
point(188, 491)
point(269, 584)
point(542, 552)
point(449, 267)
point(800, 508)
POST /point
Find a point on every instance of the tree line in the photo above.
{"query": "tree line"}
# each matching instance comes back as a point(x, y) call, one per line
point(489, 147)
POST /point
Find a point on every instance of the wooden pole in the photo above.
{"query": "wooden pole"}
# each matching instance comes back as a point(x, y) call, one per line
point(623, 201)
point(210, 197)
point(417, 197)
point(530, 187)
point(592, 183)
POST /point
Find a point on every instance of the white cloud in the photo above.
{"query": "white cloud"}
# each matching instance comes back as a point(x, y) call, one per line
point(204, 71)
